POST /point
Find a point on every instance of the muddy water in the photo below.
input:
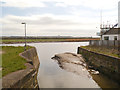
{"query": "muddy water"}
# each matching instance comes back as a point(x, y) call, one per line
point(52, 76)
point(76, 64)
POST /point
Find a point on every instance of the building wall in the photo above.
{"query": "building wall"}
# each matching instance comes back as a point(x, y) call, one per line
point(119, 14)
point(111, 37)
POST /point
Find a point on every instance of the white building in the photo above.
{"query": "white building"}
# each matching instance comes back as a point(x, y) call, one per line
point(113, 33)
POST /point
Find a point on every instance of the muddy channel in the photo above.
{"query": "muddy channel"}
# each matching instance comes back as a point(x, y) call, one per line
point(76, 64)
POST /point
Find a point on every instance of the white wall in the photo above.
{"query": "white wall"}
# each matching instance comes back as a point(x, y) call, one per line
point(111, 37)
point(119, 14)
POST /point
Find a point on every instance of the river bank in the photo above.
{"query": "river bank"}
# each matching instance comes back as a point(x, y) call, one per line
point(74, 63)
point(103, 50)
point(25, 78)
point(14, 41)
point(50, 75)
point(11, 61)
point(108, 65)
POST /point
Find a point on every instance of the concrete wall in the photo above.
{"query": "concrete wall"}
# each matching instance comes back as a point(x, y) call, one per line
point(26, 78)
point(105, 64)
point(31, 56)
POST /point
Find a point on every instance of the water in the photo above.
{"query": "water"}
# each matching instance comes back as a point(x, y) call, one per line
point(50, 75)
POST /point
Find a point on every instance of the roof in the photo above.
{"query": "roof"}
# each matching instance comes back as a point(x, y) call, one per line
point(112, 31)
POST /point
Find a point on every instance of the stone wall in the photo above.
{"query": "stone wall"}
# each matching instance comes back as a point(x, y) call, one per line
point(105, 64)
point(26, 78)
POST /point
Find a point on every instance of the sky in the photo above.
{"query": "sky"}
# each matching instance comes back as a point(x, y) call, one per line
point(56, 17)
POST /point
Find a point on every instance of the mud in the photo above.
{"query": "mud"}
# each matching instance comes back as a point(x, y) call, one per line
point(74, 63)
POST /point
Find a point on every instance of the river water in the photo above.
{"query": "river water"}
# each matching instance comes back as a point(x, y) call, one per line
point(50, 75)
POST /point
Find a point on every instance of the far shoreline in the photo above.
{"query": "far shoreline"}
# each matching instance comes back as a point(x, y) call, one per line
point(40, 42)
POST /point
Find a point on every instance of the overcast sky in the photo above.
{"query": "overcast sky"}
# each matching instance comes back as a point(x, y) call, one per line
point(56, 17)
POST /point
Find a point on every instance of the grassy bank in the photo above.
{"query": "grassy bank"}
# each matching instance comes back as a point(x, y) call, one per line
point(11, 61)
point(103, 50)
point(7, 41)
point(30, 40)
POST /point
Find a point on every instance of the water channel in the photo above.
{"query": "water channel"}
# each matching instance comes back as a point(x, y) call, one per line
point(50, 75)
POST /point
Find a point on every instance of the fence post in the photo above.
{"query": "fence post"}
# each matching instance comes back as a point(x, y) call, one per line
point(119, 46)
point(102, 43)
point(90, 43)
point(114, 44)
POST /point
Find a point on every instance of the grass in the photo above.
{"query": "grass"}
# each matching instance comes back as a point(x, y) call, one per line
point(11, 61)
point(31, 40)
point(45, 40)
point(103, 50)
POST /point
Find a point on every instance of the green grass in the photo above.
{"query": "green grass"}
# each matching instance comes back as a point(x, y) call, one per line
point(30, 40)
point(11, 61)
point(103, 50)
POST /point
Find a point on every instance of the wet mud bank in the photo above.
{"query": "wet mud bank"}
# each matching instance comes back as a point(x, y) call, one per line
point(74, 63)
point(107, 65)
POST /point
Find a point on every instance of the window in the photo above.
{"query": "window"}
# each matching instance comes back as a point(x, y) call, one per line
point(115, 37)
point(106, 38)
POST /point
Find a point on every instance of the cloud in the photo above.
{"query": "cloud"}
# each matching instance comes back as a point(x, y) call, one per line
point(60, 5)
point(22, 3)
point(48, 23)
point(94, 4)
point(80, 16)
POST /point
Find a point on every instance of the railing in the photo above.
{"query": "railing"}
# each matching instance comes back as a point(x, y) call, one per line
point(106, 43)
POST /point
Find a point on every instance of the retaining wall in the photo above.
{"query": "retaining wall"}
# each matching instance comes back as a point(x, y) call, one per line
point(26, 78)
point(105, 64)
